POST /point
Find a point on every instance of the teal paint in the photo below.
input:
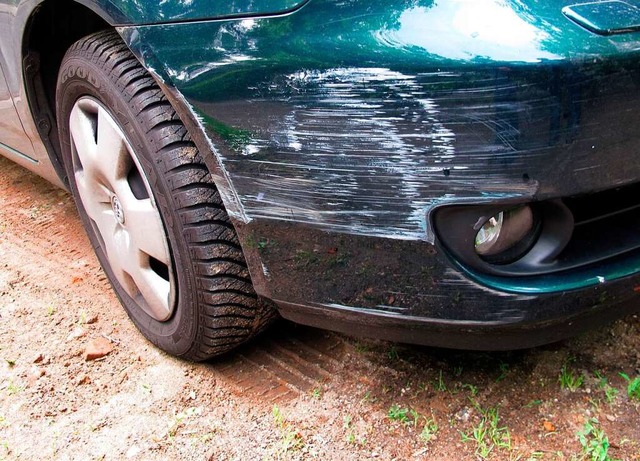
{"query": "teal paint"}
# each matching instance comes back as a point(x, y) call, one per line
point(362, 117)
point(605, 18)
point(122, 12)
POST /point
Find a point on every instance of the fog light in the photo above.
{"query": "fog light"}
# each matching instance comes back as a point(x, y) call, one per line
point(507, 236)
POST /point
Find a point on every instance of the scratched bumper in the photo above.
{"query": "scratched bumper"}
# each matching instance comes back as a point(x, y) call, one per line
point(337, 130)
point(408, 291)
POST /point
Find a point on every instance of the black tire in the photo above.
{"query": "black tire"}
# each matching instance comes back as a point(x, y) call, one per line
point(215, 308)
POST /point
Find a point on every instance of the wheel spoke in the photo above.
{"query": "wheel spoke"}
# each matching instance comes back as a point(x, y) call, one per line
point(82, 129)
point(113, 159)
point(134, 269)
point(147, 232)
point(94, 195)
point(117, 245)
point(155, 291)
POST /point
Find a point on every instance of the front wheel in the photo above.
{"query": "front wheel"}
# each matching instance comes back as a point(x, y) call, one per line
point(150, 207)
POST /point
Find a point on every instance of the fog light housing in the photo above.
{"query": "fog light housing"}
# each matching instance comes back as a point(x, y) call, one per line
point(508, 235)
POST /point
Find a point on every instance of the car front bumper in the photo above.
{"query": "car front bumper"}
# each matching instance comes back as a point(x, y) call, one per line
point(337, 131)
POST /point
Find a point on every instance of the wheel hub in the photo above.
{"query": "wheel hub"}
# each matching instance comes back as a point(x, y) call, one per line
point(118, 211)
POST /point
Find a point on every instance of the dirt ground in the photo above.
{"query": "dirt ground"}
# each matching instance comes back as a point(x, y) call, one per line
point(296, 393)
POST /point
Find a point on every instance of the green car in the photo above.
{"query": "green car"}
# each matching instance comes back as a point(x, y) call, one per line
point(459, 173)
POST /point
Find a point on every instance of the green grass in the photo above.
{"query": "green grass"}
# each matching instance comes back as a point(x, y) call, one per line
point(472, 389)
point(399, 414)
point(367, 398)
point(290, 439)
point(346, 424)
point(337, 260)
point(259, 243)
point(179, 420)
point(504, 371)
point(595, 443)
point(351, 436)
point(569, 380)
point(633, 386)
point(533, 403)
point(488, 434)
point(409, 416)
point(393, 353)
point(429, 430)
point(13, 388)
point(610, 392)
point(440, 385)
point(5, 450)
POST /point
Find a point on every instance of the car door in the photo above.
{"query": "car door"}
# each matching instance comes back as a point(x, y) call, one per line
point(19, 138)
point(13, 141)
point(12, 135)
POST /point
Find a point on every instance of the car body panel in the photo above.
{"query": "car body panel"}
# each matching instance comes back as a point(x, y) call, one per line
point(121, 12)
point(408, 291)
point(14, 141)
point(29, 151)
point(13, 138)
point(305, 133)
point(605, 17)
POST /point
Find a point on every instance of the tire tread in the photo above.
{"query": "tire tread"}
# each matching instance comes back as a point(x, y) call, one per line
point(229, 309)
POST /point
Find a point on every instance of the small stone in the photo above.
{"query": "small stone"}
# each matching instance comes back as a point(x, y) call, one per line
point(83, 380)
point(34, 375)
point(463, 414)
point(611, 418)
point(91, 320)
point(77, 333)
point(97, 348)
point(549, 426)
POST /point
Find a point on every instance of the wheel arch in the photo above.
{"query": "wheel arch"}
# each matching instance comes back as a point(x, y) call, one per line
point(51, 28)
point(48, 33)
